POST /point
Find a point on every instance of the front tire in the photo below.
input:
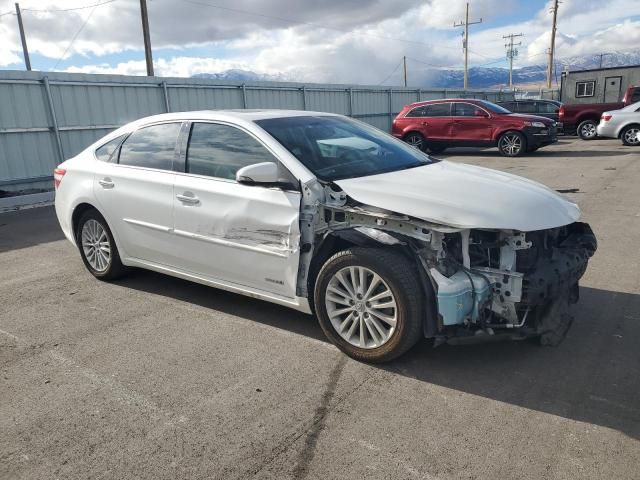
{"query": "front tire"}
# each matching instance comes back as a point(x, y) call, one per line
point(588, 130)
point(512, 144)
point(630, 135)
point(369, 303)
point(97, 247)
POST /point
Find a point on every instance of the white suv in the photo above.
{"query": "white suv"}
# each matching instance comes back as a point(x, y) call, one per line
point(327, 215)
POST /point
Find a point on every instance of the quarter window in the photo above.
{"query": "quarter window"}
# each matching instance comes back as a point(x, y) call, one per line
point(151, 147)
point(438, 110)
point(106, 151)
point(585, 89)
point(219, 151)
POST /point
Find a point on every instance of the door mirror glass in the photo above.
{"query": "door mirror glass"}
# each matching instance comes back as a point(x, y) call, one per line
point(258, 173)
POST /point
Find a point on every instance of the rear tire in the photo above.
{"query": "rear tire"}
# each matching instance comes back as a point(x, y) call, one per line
point(97, 247)
point(630, 135)
point(587, 130)
point(369, 303)
point(415, 139)
point(512, 144)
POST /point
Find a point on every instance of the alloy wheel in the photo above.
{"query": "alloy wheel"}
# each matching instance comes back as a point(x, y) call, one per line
point(414, 140)
point(588, 130)
point(631, 136)
point(511, 144)
point(361, 307)
point(95, 245)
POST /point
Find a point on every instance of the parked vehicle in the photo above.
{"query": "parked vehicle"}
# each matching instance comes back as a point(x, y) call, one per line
point(623, 124)
point(438, 124)
point(583, 118)
point(325, 214)
point(543, 108)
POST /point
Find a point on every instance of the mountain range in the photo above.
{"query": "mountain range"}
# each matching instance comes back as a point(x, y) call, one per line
point(479, 77)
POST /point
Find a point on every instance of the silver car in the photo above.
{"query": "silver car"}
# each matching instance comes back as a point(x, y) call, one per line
point(623, 124)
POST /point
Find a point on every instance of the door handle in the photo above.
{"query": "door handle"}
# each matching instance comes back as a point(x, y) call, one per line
point(425, 123)
point(106, 183)
point(188, 199)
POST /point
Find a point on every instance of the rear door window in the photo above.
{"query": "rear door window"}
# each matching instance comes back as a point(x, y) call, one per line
point(547, 107)
point(464, 109)
point(151, 147)
point(438, 110)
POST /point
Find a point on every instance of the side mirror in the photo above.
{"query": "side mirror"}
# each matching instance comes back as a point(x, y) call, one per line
point(258, 173)
point(480, 113)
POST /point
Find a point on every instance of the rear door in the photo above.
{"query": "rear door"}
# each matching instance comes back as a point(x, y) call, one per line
point(134, 191)
point(437, 121)
point(470, 123)
point(240, 234)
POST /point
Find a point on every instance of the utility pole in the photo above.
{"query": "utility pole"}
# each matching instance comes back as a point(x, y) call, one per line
point(404, 63)
point(25, 50)
point(512, 52)
point(465, 43)
point(554, 10)
point(601, 57)
point(147, 40)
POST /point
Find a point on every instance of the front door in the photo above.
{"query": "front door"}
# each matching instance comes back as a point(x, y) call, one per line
point(134, 190)
point(240, 234)
point(470, 123)
point(612, 86)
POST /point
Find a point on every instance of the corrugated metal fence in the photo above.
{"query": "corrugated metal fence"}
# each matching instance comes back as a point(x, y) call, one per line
point(47, 117)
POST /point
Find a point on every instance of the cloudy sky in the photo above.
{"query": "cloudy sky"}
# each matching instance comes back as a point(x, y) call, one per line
point(346, 41)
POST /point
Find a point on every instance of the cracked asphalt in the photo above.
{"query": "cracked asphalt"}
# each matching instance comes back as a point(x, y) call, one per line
point(153, 377)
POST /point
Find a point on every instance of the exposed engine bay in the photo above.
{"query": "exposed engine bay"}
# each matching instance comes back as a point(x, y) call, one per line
point(484, 282)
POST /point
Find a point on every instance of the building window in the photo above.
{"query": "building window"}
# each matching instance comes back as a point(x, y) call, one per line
point(585, 89)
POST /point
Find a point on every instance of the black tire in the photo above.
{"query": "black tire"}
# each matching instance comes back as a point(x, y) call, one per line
point(587, 129)
point(507, 144)
point(436, 149)
point(114, 267)
point(630, 135)
point(415, 139)
point(401, 278)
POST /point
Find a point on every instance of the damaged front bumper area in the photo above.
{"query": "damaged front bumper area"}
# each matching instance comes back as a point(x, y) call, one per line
point(510, 283)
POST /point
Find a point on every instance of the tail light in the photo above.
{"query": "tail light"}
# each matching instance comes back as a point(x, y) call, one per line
point(58, 173)
point(606, 117)
point(561, 112)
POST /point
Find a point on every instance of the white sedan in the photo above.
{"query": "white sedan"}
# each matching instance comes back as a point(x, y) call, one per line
point(623, 124)
point(328, 215)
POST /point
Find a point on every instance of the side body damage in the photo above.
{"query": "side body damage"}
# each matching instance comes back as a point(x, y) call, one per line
point(479, 283)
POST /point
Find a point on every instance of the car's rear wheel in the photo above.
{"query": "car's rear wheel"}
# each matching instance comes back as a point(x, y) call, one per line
point(97, 247)
point(369, 303)
point(415, 139)
point(630, 135)
point(587, 130)
point(512, 144)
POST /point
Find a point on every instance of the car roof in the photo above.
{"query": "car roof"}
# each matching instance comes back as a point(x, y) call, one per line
point(443, 100)
point(231, 114)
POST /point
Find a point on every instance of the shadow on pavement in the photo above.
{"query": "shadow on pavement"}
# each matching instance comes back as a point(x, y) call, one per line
point(26, 228)
point(591, 377)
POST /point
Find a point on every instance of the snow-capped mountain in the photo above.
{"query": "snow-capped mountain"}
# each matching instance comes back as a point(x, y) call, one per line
point(479, 77)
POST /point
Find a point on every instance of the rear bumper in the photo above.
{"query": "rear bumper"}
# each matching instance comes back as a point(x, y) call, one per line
point(606, 130)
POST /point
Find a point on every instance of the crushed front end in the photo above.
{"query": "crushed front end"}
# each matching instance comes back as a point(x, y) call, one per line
point(505, 282)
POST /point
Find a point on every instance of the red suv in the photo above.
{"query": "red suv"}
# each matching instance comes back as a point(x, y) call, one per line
point(438, 124)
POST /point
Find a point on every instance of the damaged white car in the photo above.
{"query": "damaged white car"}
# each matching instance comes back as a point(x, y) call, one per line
point(328, 215)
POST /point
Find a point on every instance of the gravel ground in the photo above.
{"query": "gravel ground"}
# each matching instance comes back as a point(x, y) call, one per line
point(154, 377)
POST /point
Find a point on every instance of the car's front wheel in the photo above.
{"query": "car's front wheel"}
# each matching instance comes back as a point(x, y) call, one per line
point(369, 303)
point(97, 247)
point(512, 144)
point(630, 135)
point(588, 130)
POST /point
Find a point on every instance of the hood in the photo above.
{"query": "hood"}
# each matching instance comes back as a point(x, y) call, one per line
point(531, 118)
point(464, 196)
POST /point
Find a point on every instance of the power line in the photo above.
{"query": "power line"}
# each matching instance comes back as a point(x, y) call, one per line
point(391, 74)
point(7, 13)
point(67, 9)
point(75, 36)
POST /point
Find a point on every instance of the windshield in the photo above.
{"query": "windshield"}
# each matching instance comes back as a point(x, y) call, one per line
point(335, 148)
point(492, 107)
